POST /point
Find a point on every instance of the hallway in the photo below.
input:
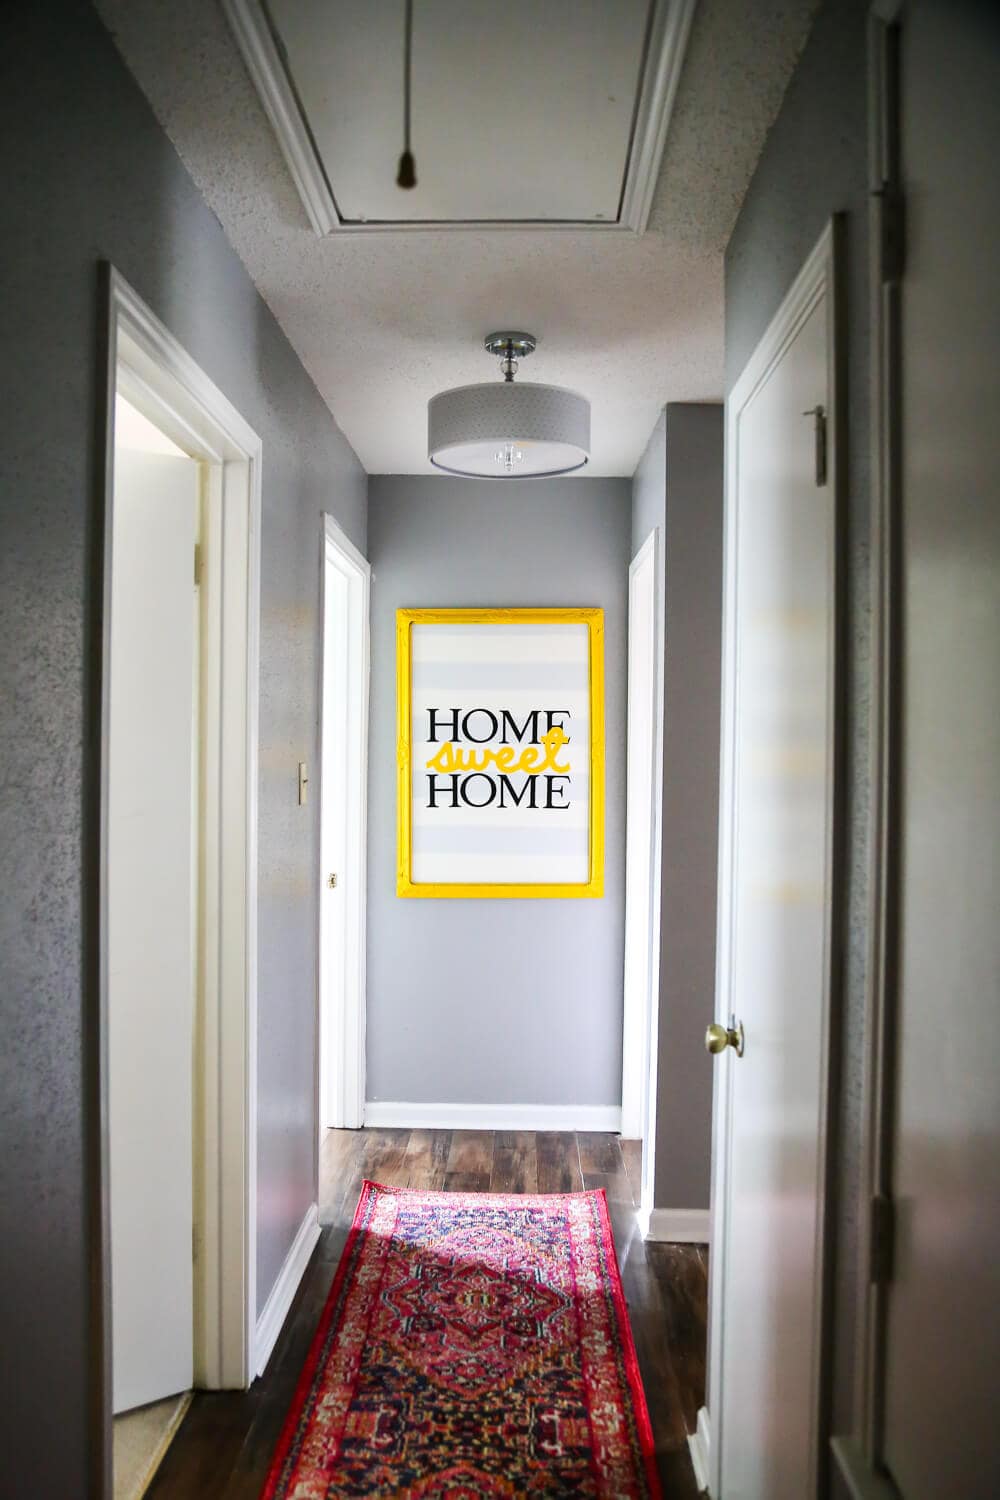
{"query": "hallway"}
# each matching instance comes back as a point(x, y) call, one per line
point(500, 666)
point(225, 1444)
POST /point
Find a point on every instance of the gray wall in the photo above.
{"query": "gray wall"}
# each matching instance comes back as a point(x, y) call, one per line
point(692, 685)
point(494, 1001)
point(940, 1434)
point(678, 487)
point(814, 164)
point(88, 175)
point(649, 492)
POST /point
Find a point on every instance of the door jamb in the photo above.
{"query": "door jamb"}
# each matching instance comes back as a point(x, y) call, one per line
point(195, 413)
point(344, 1091)
point(858, 1455)
point(645, 1026)
point(821, 271)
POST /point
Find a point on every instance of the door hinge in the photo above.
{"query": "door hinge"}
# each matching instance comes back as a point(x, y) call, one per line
point(818, 414)
point(197, 564)
point(891, 231)
point(882, 1241)
point(195, 1244)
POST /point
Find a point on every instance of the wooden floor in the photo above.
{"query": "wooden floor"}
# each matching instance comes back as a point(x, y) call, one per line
point(224, 1446)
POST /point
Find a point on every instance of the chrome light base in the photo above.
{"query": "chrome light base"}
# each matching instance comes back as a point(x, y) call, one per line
point(510, 345)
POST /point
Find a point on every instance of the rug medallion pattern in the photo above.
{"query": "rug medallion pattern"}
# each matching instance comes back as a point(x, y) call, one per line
point(472, 1346)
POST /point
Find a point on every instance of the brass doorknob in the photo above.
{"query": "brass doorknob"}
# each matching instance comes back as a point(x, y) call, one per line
point(718, 1038)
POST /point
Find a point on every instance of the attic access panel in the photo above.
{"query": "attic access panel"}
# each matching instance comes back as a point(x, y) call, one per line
point(524, 112)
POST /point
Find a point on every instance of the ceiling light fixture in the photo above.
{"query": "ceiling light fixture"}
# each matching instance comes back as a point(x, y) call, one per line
point(508, 431)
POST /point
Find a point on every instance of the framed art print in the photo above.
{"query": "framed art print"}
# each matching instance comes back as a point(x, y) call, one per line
point(500, 752)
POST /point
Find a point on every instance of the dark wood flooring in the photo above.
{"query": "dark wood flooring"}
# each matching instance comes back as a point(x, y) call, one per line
point(224, 1446)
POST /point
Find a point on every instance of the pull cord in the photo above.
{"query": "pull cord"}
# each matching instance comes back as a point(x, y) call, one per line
point(407, 174)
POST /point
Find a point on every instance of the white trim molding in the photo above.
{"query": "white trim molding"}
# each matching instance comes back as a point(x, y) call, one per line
point(162, 379)
point(262, 52)
point(641, 1011)
point(670, 27)
point(680, 1226)
point(345, 669)
point(605, 1118)
point(700, 1449)
point(858, 1453)
point(282, 1294)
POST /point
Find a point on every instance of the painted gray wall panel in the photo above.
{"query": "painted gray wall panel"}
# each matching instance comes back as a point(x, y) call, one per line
point(678, 487)
point(89, 175)
point(649, 491)
point(692, 675)
point(494, 1001)
point(813, 165)
point(939, 1423)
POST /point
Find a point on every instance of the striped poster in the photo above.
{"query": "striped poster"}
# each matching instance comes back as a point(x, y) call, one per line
point(500, 753)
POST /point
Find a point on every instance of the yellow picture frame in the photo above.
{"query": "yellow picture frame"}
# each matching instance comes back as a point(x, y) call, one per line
point(593, 618)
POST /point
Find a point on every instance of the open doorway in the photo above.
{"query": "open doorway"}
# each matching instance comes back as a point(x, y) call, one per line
point(346, 581)
point(154, 865)
point(178, 890)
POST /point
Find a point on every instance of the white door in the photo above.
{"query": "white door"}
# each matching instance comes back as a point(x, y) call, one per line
point(642, 886)
point(343, 821)
point(151, 937)
point(775, 905)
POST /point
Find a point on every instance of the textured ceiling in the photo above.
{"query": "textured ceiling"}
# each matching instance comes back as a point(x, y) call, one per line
point(383, 321)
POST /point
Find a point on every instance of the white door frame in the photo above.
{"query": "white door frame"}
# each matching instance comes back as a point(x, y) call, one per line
point(857, 1454)
point(341, 1049)
point(156, 374)
point(817, 278)
point(642, 895)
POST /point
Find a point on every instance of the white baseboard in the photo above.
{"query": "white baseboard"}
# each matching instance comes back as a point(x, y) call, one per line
point(682, 1226)
point(272, 1318)
point(403, 1116)
point(700, 1446)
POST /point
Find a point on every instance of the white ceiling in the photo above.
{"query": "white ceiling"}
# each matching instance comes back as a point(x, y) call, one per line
point(382, 322)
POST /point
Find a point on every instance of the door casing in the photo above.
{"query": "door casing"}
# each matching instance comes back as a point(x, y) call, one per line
point(344, 707)
point(643, 869)
point(143, 359)
point(858, 1455)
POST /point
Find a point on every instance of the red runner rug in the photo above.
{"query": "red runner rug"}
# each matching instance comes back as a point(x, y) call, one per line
point(472, 1345)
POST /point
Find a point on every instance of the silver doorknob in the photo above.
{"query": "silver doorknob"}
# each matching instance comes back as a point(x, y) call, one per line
point(718, 1038)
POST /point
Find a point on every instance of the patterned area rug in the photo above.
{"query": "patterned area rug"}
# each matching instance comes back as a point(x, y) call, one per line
point(472, 1345)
